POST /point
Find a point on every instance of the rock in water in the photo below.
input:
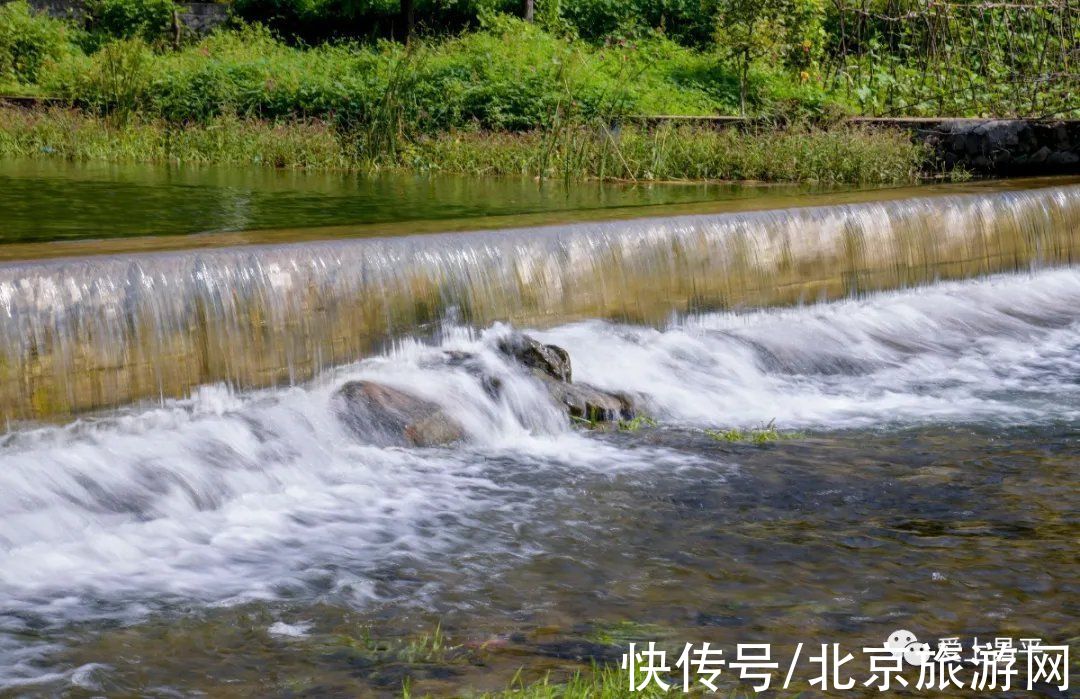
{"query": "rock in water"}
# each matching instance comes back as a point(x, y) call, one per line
point(551, 364)
point(551, 360)
point(387, 416)
point(591, 403)
point(468, 361)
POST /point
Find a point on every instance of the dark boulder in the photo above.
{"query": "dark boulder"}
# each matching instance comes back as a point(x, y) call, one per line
point(387, 416)
point(550, 360)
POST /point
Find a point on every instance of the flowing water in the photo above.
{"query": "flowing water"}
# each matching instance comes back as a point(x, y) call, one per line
point(236, 539)
point(102, 331)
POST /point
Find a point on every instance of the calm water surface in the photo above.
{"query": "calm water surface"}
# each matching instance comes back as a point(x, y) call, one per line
point(48, 201)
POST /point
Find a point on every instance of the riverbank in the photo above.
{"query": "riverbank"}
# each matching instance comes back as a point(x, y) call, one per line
point(505, 96)
point(843, 154)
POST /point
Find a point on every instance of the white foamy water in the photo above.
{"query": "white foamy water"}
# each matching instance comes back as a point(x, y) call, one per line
point(1004, 349)
point(223, 498)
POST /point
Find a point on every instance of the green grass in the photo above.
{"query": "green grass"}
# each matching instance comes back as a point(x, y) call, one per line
point(636, 423)
point(426, 648)
point(799, 154)
point(513, 76)
point(608, 682)
point(840, 155)
point(77, 136)
point(512, 98)
point(759, 435)
point(507, 74)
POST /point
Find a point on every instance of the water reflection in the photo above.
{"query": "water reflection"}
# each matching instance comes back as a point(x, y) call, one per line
point(46, 201)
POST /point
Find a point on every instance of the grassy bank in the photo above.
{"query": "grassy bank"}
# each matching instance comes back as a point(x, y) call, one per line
point(504, 97)
point(513, 75)
point(797, 154)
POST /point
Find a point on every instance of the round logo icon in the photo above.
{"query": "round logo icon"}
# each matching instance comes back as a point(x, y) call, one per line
point(903, 642)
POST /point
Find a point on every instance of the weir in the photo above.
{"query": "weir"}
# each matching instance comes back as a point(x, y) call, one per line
point(100, 332)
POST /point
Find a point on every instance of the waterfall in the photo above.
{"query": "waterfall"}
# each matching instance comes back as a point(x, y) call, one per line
point(99, 332)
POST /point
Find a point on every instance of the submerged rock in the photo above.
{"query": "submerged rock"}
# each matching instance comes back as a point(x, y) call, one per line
point(387, 416)
point(468, 361)
point(550, 360)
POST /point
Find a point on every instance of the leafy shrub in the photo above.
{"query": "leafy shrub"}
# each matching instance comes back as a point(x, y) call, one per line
point(114, 80)
point(28, 40)
point(512, 76)
point(149, 20)
point(689, 22)
point(315, 21)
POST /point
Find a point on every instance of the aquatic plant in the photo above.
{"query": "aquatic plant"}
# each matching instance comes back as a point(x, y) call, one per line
point(636, 423)
point(758, 435)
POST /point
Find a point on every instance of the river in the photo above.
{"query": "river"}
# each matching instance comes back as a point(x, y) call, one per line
point(197, 518)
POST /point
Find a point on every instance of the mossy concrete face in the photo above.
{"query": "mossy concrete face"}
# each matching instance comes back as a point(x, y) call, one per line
point(90, 333)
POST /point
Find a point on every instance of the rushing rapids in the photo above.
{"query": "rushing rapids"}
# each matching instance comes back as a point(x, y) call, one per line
point(80, 334)
point(266, 497)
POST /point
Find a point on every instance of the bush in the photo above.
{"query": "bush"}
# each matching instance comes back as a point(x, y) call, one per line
point(28, 40)
point(149, 20)
point(316, 21)
point(512, 76)
point(689, 22)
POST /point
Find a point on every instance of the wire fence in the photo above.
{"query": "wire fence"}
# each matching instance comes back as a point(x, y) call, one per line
point(951, 57)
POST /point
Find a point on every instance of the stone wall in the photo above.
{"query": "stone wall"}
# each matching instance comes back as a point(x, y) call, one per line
point(201, 17)
point(197, 17)
point(998, 146)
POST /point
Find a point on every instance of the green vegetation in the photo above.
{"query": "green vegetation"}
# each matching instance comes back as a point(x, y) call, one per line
point(636, 423)
point(425, 648)
point(27, 42)
point(513, 76)
point(149, 20)
point(479, 90)
point(75, 135)
point(840, 155)
point(608, 682)
point(758, 435)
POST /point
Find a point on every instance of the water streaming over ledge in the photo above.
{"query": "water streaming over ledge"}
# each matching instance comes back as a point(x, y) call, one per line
point(939, 438)
point(79, 334)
